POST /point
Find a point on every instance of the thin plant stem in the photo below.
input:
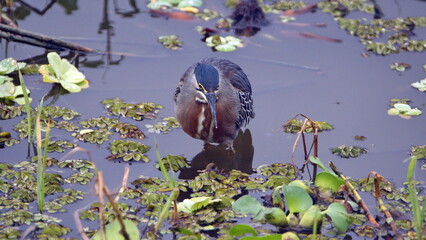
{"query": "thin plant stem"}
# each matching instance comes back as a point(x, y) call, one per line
point(418, 211)
point(27, 104)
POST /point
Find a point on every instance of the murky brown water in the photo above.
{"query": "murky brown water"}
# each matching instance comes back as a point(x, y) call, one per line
point(289, 74)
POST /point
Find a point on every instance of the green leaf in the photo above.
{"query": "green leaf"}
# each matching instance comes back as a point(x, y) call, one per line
point(339, 216)
point(194, 204)
point(320, 164)
point(325, 180)
point(58, 65)
point(297, 198)
point(241, 229)
point(7, 89)
point(247, 204)
point(71, 87)
point(9, 65)
point(402, 107)
point(190, 3)
point(310, 216)
point(112, 230)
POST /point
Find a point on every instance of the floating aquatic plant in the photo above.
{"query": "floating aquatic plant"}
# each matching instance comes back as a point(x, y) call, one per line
point(224, 44)
point(128, 150)
point(400, 66)
point(170, 42)
point(137, 111)
point(154, 4)
point(403, 110)
point(63, 72)
point(8, 91)
point(294, 126)
point(173, 163)
point(164, 126)
point(348, 151)
point(420, 85)
point(97, 136)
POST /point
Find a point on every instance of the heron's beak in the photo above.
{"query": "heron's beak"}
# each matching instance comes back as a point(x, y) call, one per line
point(211, 99)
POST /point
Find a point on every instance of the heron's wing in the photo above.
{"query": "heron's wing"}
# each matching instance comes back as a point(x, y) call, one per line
point(241, 84)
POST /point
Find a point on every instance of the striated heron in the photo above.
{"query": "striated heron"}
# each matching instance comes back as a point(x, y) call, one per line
point(213, 101)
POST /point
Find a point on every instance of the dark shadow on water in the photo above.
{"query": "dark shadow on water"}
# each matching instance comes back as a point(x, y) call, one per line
point(223, 159)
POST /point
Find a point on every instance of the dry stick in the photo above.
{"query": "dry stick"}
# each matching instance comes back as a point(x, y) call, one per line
point(378, 195)
point(295, 144)
point(100, 187)
point(42, 38)
point(117, 213)
point(79, 224)
point(77, 212)
point(358, 198)
point(124, 182)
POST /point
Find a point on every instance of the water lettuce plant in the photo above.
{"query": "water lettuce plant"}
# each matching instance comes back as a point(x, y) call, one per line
point(154, 4)
point(224, 44)
point(420, 85)
point(8, 91)
point(403, 109)
point(63, 72)
point(171, 42)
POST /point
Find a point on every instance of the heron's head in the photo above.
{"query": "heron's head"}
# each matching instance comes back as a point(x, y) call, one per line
point(207, 85)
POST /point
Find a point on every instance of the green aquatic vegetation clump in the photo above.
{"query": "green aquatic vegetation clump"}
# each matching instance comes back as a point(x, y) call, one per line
point(137, 111)
point(171, 42)
point(404, 110)
point(399, 32)
point(400, 66)
point(173, 163)
point(348, 151)
point(419, 152)
point(6, 140)
point(294, 126)
point(95, 136)
point(59, 146)
point(224, 44)
point(100, 122)
point(128, 130)
point(9, 92)
point(9, 112)
point(420, 85)
point(128, 150)
point(160, 4)
point(163, 126)
point(207, 14)
point(55, 112)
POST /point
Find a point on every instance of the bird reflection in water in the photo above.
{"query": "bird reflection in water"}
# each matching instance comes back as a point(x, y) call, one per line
point(248, 18)
point(217, 158)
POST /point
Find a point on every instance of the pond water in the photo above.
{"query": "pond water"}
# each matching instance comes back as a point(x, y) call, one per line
point(289, 74)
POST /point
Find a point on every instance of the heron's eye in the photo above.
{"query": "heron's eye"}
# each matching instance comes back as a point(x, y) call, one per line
point(201, 88)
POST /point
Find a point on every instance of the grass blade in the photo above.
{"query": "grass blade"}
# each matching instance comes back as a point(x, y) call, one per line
point(27, 104)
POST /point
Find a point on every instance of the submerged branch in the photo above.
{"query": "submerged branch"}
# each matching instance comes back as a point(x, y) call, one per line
point(39, 40)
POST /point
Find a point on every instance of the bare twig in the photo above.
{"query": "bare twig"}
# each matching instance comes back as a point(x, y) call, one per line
point(378, 195)
point(117, 213)
point(358, 198)
point(79, 225)
point(100, 192)
point(124, 182)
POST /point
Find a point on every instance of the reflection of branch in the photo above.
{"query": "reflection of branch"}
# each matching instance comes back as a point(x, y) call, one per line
point(36, 10)
point(20, 35)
